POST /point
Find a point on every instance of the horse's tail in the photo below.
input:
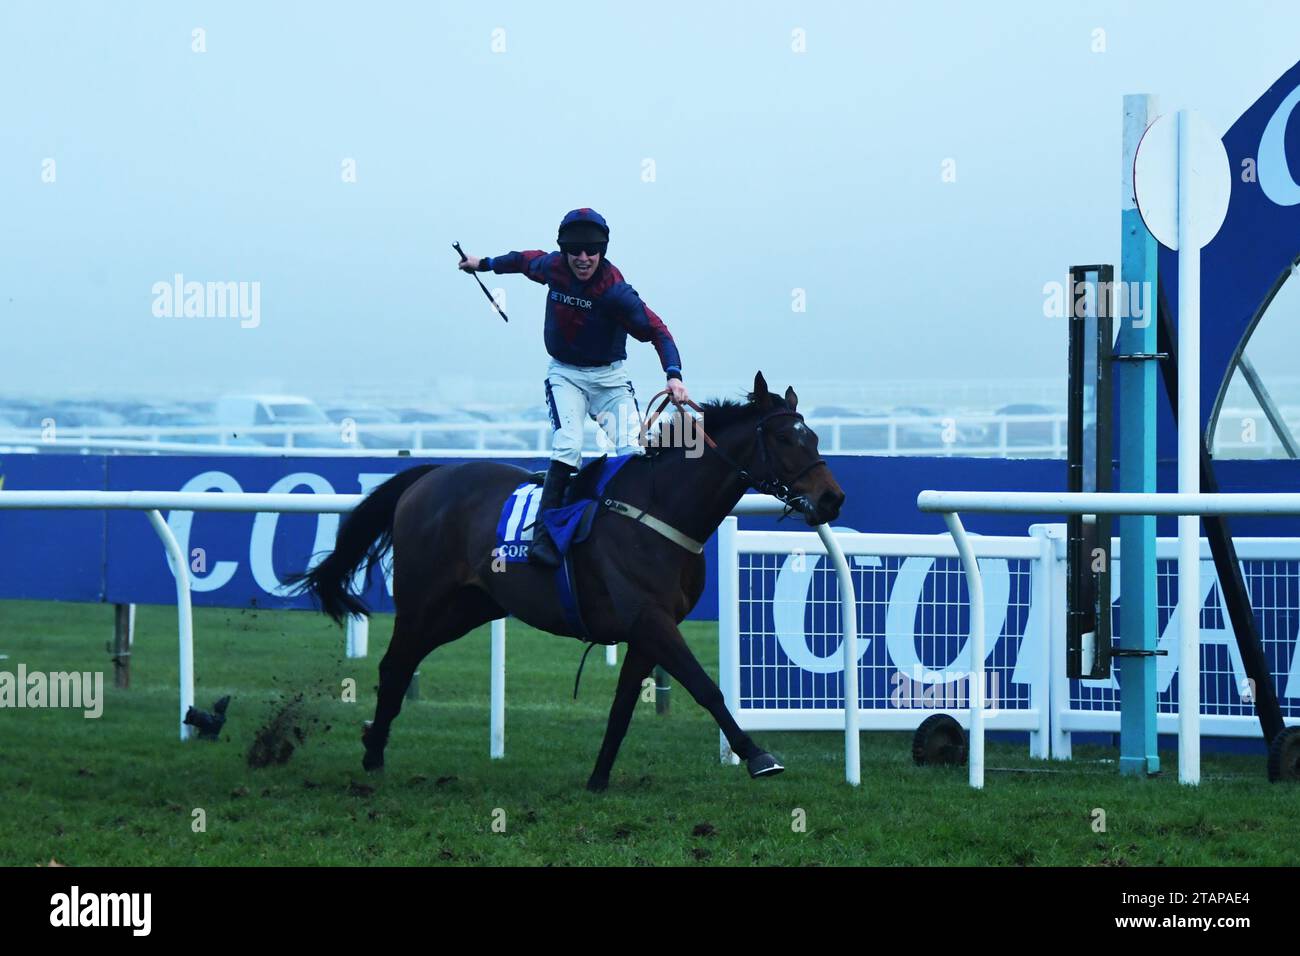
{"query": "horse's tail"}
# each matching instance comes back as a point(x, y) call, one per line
point(364, 535)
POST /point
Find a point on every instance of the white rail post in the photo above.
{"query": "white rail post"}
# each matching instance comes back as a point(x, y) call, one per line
point(1062, 742)
point(1182, 181)
point(497, 746)
point(728, 626)
point(184, 614)
point(1040, 611)
point(1189, 463)
point(975, 584)
point(357, 639)
point(849, 614)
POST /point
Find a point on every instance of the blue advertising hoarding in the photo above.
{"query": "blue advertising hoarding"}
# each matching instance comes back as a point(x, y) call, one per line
point(117, 557)
point(241, 558)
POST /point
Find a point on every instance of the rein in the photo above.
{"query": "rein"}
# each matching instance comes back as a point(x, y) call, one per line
point(768, 486)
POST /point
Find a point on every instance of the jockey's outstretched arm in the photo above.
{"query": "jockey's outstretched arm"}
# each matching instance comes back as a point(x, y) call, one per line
point(533, 263)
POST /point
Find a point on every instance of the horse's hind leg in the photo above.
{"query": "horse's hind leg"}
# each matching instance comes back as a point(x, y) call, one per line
point(438, 622)
point(410, 643)
point(636, 667)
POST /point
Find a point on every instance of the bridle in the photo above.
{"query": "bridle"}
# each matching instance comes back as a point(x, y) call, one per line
point(766, 485)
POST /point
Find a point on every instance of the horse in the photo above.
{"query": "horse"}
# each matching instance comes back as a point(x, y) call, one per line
point(635, 578)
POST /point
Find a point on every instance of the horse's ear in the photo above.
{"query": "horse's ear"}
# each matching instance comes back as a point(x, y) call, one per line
point(791, 398)
point(761, 395)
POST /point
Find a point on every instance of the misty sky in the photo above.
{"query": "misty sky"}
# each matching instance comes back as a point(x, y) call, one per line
point(772, 170)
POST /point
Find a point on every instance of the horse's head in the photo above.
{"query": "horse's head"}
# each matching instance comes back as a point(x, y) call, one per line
point(783, 460)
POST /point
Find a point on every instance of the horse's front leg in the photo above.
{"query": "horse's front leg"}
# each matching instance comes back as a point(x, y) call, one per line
point(636, 668)
point(661, 640)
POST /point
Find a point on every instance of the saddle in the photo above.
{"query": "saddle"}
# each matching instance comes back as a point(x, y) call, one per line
point(571, 524)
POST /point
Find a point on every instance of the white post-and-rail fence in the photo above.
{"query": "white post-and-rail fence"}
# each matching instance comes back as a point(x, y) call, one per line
point(153, 503)
point(777, 635)
point(951, 503)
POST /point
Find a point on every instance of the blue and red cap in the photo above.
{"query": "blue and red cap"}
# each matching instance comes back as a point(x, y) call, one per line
point(583, 225)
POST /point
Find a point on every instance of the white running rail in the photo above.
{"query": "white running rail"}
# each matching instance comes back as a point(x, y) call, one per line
point(153, 503)
point(951, 503)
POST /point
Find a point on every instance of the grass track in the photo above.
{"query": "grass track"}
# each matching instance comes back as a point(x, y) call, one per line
point(121, 790)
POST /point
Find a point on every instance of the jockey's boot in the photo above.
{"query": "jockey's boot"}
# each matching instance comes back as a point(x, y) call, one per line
point(543, 549)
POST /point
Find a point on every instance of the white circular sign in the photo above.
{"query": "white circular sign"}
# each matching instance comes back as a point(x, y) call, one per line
point(1155, 178)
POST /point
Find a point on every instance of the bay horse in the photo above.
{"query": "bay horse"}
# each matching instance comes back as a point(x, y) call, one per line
point(634, 583)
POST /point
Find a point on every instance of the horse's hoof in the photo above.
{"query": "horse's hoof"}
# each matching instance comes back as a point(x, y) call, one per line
point(763, 765)
point(372, 764)
point(596, 785)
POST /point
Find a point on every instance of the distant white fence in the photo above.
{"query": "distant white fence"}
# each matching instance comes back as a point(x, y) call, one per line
point(972, 434)
point(966, 434)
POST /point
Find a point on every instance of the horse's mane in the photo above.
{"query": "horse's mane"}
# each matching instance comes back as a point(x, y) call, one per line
point(721, 413)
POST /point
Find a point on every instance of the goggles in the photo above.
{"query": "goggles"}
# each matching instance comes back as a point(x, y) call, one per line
point(577, 248)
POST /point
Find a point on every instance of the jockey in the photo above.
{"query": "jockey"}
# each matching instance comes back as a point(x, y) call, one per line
point(590, 310)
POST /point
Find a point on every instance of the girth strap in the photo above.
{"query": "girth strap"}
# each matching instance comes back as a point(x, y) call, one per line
point(650, 521)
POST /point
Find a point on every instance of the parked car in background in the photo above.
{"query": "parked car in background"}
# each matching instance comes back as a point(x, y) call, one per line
point(872, 435)
point(177, 416)
point(361, 415)
point(24, 413)
point(1021, 434)
point(926, 434)
point(493, 439)
point(129, 410)
point(80, 415)
point(290, 412)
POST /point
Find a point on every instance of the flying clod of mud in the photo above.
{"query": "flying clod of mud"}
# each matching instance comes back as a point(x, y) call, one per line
point(277, 739)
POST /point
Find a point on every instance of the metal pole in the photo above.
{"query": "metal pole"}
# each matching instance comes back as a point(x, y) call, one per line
point(663, 688)
point(728, 625)
point(123, 624)
point(357, 636)
point(974, 584)
point(497, 746)
point(1138, 345)
point(1189, 460)
point(184, 613)
point(849, 616)
point(1268, 406)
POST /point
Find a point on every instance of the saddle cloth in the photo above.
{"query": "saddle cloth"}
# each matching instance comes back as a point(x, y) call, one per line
point(569, 524)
